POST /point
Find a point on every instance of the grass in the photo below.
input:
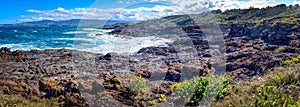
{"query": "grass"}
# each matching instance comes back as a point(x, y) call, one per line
point(12, 88)
point(280, 87)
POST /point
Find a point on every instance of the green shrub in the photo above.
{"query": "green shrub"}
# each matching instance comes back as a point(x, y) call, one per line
point(163, 98)
point(293, 60)
point(210, 87)
point(268, 96)
point(186, 89)
point(153, 102)
point(277, 88)
point(173, 86)
point(137, 84)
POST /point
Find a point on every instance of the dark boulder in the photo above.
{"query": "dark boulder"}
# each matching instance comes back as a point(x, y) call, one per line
point(4, 50)
point(144, 74)
point(173, 74)
point(163, 51)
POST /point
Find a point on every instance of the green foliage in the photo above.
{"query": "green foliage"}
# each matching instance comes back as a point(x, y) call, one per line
point(194, 90)
point(163, 98)
point(153, 102)
point(173, 86)
point(282, 62)
point(143, 91)
point(186, 89)
point(293, 60)
point(225, 87)
point(268, 97)
point(277, 88)
point(137, 84)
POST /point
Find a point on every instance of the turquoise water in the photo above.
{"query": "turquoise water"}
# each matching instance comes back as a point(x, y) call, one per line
point(86, 39)
point(28, 38)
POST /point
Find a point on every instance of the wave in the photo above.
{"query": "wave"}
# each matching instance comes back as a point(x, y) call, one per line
point(88, 40)
point(88, 30)
point(76, 32)
point(91, 29)
point(75, 39)
point(123, 44)
point(26, 47)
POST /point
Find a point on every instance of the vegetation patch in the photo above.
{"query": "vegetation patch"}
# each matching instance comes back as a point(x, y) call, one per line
point(19, 101)
point(211, 87)
point(137, 84)
point(280, 87)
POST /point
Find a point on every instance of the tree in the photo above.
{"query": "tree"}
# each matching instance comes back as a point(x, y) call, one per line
point(217, 11)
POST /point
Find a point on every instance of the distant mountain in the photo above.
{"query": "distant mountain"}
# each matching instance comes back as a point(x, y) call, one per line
point(69, 23)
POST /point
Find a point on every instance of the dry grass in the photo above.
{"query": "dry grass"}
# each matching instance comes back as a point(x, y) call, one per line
point(19, 101)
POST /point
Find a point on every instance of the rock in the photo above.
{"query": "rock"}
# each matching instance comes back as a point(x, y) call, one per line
point(71, 87)
point(207, 55)
point(173, 75)
point(163, 51)
point(96, 87)
point(278, 39)
point(108, 56)
point(144, 74)
point(188, 72)
point(111, 83)
point(295, 43)
point(163, 88)
point(44, 86)
point(4, 50)
point(66, 90)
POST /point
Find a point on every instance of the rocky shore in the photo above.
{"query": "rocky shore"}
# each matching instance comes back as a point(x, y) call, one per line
point(88, 79)
point(77, 78)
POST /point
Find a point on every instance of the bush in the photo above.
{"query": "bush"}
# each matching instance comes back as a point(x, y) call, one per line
point(163, 98)
point(209, 87)
point(137, 84)
point(290, 61)
point(268, 97)
point(153, 102)
point(277, 88)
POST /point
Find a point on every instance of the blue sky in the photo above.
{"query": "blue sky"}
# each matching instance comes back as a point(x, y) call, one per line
point(16, 11)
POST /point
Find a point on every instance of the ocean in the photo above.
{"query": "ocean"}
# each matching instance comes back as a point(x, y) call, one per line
point(88, 39)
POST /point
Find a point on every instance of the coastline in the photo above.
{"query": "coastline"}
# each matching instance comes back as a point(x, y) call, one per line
point(246, 57)
point(176, 53)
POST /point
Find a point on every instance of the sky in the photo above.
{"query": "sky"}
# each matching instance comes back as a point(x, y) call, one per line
point(17, 11)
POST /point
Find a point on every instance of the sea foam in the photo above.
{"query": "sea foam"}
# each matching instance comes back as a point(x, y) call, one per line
point(121, 44)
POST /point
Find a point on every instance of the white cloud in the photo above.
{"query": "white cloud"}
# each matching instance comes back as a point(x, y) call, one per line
point(63, 14)
point(144, 13)
point(126, 1)
point(141, 13)
point(194, 5)
point(296, 2)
